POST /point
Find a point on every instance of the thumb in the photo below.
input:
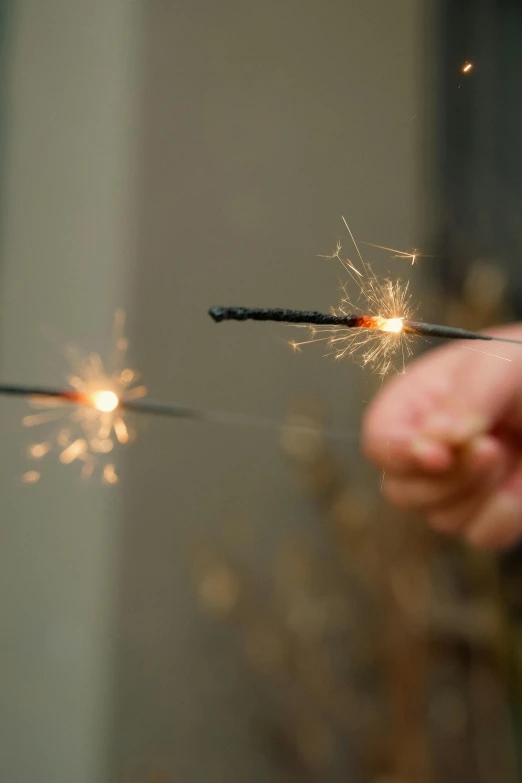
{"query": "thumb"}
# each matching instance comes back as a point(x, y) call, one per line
point(485, 392)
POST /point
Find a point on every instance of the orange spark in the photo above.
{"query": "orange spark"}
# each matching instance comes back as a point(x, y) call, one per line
point(387, 303)
point(95, 423)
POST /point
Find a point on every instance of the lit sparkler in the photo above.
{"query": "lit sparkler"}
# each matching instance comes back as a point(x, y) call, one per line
point(88, 419)
point(374, 327)
point(169, 410)
point(375, 338)
point(392, 326)
point(385, 302)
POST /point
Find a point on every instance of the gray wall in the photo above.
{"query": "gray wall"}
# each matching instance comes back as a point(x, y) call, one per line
point(261, 124)
point(65, 240)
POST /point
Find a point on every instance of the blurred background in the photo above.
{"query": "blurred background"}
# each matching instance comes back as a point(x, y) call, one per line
point(242, 607)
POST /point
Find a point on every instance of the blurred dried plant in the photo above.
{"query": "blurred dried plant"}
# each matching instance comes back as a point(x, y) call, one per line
point(382, 650)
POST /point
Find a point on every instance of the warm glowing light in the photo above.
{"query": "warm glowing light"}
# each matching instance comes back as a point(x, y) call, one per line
point(74, 451)
point(96, 425)
point(467, 67)
point(104, 401)
point(109, 475)
point(392, 325)
point(31, 477)
point(39, 450)
point(385, 303)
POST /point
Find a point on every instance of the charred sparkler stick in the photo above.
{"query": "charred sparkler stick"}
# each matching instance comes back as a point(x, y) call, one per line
point(283, 315)
point(351, 321)
point(155, 408)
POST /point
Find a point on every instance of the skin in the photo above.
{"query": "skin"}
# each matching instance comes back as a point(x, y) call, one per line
point(448, 435)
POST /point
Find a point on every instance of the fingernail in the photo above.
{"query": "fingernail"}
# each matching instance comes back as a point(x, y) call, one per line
point(499, 525)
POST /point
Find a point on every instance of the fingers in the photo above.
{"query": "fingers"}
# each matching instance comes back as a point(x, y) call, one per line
point(393, 435)
point(443, 434)
point(491, 520)
point(404, 453)
point(482, 501)
point(479, 464)
point(498, 524)
point(444, 400)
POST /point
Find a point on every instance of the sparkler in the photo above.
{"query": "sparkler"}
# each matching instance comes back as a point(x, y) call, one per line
point(369, 327)
point(168, 410)
point(353, 321)
point(90, 418)
point(88, 428)
point(373, 328)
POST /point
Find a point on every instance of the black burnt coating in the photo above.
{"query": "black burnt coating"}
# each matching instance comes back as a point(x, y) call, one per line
point(18, 390)
point(283, 315)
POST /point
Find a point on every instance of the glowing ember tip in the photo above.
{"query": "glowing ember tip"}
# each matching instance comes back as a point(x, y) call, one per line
point(467, 67)
point(104, 401)
point(392, 325)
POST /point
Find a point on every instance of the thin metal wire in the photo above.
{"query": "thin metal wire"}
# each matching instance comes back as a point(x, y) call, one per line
point(157, 408)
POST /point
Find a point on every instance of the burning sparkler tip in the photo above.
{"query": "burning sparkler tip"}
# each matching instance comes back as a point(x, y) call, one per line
point(94, 407)
point(394, 325)
point(104, 400)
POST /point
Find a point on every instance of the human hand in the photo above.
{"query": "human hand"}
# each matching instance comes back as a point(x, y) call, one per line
point(448, 435)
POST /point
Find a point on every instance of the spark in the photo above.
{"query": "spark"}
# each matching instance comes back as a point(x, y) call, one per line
point(374, 339)
point(313, 319)
point(383, 334)
point(382, 338)
point(109, 474)
point(348, 265)
point(88, 419)
point(31, 477)
point(467, 67)
point(39, 450)
point(388, 302)
point(414, 254)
